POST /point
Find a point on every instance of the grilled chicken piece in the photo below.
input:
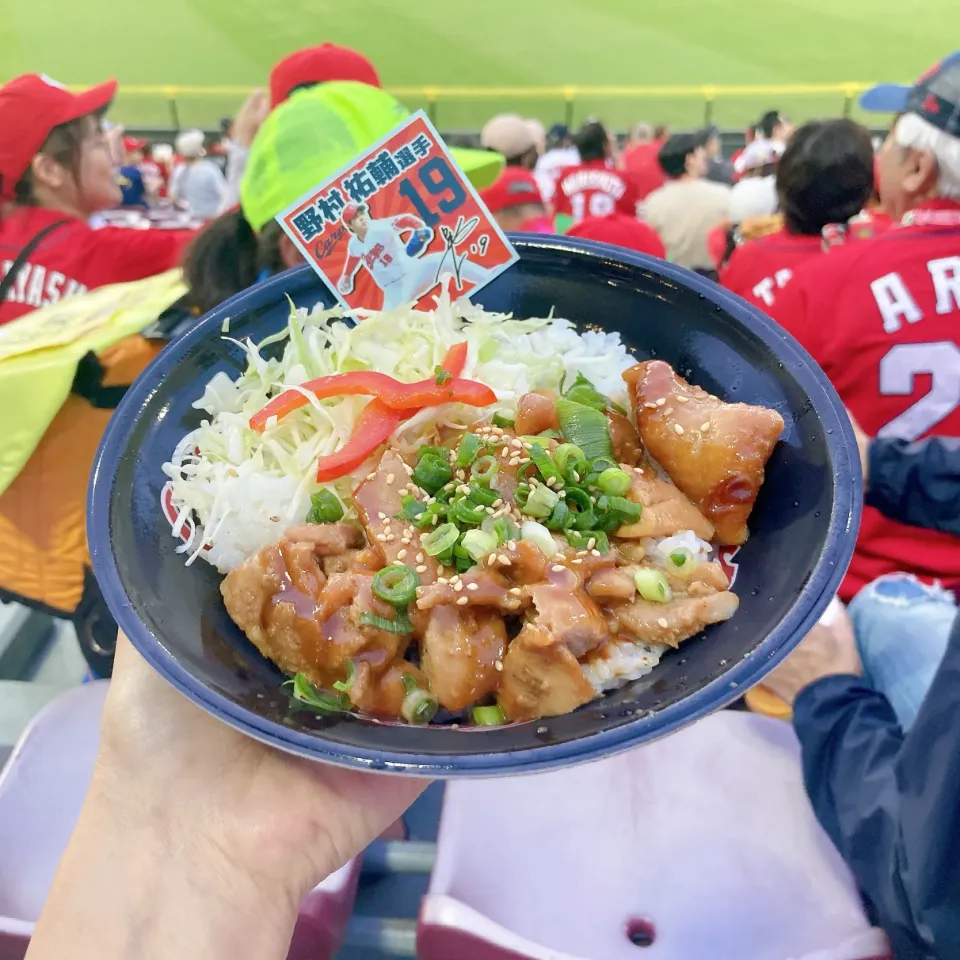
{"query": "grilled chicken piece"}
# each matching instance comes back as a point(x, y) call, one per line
point(676, 621)
point(705, 579)
point(541, 677)
point(612, 584)
point(459, 653)
point(624, 439)
point(666, 510)
point(328, 539)
point(383, 694)
point(536, 412)
point(478, 587)
point(303, 622)
point(378, 502)
point(566, 612)
point(715, 452)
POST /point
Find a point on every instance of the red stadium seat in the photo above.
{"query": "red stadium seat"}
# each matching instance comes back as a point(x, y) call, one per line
point(701, 845)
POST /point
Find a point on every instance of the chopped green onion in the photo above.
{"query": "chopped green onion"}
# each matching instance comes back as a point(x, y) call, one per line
point(544, 463)
point(432, 516)
point(614, 481)
point(468, 450)
point(440, 453)
point(320, 701)
point(479, 543)
point(409, 682)
point(344, 685)
point(419, 706)
point(441, 539)
point(581, 507)
point(431, 473)
point(652, 585)
point(682, 560)
point(505, 529)
point(602, 544)
point(541, 502)
point(488, 716)
point(581, 539)
point(400, 626)
point(465, 512)
point(441, 376)
point(483, 495)
point(539, 536)
point(561, 517)
point(627, 510)
point(446, 559)
point(463, 564)
point(549, 434)
point(504, 423)
point(602, 464)
point(411, 507)
point(324, 508)
point(566, 453)
point(485, 470)
point(585, 427)
point(583, 391)
point(609, 522)
point(396, 584)
point(522, 494)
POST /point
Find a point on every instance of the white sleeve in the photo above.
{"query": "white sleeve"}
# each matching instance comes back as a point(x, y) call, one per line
point(236, 166)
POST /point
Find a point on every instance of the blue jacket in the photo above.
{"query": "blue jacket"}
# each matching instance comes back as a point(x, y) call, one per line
point(891, 802)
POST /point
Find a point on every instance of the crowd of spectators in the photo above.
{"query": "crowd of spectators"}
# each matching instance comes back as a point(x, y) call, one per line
point(855, 253)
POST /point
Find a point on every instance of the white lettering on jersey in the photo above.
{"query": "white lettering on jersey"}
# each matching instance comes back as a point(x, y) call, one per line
point(38, 276)
point(20, 284)
point(946, 282)
point(899, 369)
point(764, 289)
point(605, 181)
point(382, 252)
point(894, 302)
point(55, 282)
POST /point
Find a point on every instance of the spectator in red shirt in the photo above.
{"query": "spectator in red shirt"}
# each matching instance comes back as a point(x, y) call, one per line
point(881, 316)
point(56, 171)
point(640, 160)
point(516, 203)
point(823, 179)
point(594, 188)
point(620, 231)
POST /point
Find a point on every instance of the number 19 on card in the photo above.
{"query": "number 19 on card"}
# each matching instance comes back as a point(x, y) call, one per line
point(440, 182)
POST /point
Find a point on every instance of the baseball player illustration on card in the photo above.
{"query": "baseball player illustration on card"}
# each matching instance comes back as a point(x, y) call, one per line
point(398, 267)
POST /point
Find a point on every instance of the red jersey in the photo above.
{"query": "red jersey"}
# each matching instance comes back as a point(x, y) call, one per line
point(75, 257)
point(594, 189)
point(881, 317)
point(642, 163)
point(759, 268)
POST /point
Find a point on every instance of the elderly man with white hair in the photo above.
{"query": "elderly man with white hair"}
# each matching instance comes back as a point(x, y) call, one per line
point(197, 182)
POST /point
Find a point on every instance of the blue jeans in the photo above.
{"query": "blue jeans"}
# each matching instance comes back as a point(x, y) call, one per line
point(902, 626)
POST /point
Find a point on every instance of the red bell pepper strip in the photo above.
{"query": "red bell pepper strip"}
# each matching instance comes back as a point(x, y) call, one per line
point(394, 393)
point(376, 425)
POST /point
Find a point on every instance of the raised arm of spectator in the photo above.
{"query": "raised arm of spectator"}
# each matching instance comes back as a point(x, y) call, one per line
point(245, 127)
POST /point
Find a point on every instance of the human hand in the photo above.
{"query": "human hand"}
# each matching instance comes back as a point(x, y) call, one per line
point(863, 447)
point(345, 285)
point(250, 118)
point(267, 818)
point(827, 650)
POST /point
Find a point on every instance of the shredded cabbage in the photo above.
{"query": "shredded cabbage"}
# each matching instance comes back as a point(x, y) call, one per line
point(244, 488)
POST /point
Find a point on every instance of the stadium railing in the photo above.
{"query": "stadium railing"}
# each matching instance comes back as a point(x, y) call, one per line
point(468, 106)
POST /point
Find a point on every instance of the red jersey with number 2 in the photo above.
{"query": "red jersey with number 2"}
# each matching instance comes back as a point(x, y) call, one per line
point(593, 189)
point(881, 317)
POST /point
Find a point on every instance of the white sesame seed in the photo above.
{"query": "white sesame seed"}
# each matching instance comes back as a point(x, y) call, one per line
point(534, 482)
point(464, 489)
point(512, 544)
point(561, 494)
point(371, 476)
point(382, 516)
point(473, 586)
point(551, 481)
point(704, 427)
point(419, 558)
point(516, 443)
point(401, 555)
point(505, 452)
point(404, 540)
point(381, 538)
point(527, 446)
point(516, 591)
point(650, 406)
point(391, 537)
point(409, 469)
point(458, 585)
point(491, 511)
point(678, 429)
point(662, 623)
point(558, 568)
point(595, 553)
point(513, 462)
point(442, 580)
point(662, 401)
point(499, 665)
point(461, 475)
point(668, 411)
point(578, 560)
point(683, 399)
point(390, 478)
point(503, 560)
point(462, 601)
point(591, 543)
point(498, 502)
point(422, 568)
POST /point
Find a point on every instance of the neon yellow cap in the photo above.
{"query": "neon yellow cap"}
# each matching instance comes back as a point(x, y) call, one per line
point(317, 132)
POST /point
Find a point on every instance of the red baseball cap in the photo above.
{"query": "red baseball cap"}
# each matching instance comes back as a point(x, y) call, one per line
point(30, 107)
point(513, 187)
point(352, 210)
point(621, 231)
point(319, 65)
point(133, 143)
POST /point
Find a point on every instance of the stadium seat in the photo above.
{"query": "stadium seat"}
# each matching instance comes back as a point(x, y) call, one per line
point(701, 845)
point(42, 788)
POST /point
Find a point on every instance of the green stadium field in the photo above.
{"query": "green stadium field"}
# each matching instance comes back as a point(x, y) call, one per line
point(495, 43)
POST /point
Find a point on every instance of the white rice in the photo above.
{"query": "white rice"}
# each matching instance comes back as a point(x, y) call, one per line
point(619, 661)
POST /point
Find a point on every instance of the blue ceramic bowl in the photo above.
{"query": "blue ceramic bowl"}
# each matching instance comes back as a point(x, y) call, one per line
point(803, 526)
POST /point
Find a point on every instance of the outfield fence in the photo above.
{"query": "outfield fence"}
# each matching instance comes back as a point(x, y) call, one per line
point(466, 107)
